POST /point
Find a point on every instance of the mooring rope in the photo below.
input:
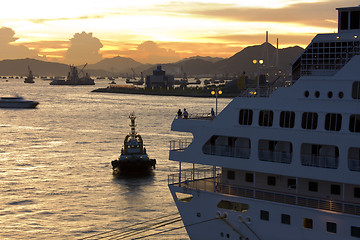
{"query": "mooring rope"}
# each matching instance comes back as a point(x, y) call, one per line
point(128, 231)
point(242, 220)
point(147, 229)
point(126, 227)
point(233, 228)
point(173, 229)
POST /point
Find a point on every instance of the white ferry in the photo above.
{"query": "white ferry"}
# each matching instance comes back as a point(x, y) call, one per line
point(17, 102)
point(285, 164)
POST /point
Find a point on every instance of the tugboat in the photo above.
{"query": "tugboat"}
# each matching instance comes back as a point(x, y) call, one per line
point(133, 160)
point(30, 77)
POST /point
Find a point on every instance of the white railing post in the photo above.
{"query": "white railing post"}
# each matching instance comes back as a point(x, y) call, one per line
point(179, 174)
point(214, 178)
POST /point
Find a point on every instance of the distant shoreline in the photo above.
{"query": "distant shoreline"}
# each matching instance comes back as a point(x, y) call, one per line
point(189, 92)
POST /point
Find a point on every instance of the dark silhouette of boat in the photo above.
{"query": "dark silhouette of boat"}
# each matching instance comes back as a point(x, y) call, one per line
point(17, 102)
point(74, 78)
point(133, 160)
point(30, 77)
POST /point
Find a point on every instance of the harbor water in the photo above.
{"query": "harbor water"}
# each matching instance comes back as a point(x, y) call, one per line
point(56, 179)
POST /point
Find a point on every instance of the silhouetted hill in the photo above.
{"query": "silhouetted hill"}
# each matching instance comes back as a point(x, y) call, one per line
point(116, 65)
point(194, 66)
point(238, 63)
point(208, 58)
point(243, 60)
point(20, 67)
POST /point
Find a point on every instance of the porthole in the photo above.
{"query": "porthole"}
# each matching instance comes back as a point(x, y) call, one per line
point(341, 94)
point(306, 94)
point(330, 94)
point(317, 94)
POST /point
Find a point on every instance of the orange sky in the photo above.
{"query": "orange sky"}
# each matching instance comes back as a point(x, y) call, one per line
point(157, 31)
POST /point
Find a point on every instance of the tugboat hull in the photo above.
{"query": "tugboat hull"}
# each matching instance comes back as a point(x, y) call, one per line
point(134, 167)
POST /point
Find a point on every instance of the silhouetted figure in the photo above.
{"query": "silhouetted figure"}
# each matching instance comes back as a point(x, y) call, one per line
point(212, 112)
point(179, 113)
point(185, 114)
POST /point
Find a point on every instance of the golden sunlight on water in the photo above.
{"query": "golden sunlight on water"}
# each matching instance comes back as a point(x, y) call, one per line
point(55, 173)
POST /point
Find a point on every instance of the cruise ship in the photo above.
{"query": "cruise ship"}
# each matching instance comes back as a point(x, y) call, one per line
point(284, 163)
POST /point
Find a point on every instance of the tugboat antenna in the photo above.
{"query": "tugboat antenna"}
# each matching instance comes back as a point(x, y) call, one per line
point(132, 125)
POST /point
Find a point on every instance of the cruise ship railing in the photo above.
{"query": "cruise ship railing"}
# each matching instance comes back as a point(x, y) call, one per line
point(210, 181)
point(319, 161)
point(190, 179)
point(201, 116)
point(180, 144)
point(354, 164)
point(244, 152)
point(275, 156)
point(228, 151)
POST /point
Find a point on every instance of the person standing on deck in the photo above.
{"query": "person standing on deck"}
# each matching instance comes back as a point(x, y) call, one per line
point(179, 113)
point(185, 114)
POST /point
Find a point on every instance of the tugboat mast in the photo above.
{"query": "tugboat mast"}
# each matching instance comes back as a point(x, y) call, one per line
point(132, 125)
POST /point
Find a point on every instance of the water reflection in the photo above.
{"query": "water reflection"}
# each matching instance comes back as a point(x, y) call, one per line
point(55, 161)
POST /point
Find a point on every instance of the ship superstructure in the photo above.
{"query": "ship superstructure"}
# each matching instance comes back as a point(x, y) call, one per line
point(282, 165)
point(328, 53)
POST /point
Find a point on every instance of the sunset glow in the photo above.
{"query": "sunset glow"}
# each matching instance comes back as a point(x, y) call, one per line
point(184, 28)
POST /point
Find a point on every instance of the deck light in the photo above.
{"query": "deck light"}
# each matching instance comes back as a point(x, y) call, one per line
point(216, 92)
point(258, 62)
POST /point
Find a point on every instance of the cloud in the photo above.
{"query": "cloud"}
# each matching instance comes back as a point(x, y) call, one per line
point(214, 49)
point(151, 52)
point(10, 50)
point(53, 50)
point(312, 14)
point(48, 20)
point(84, 48)
point(257, 39)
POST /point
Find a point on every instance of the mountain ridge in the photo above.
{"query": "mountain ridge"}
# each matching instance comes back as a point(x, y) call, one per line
point(122, 66)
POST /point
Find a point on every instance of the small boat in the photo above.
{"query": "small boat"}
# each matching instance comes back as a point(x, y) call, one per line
point(30, 77)
point(17, 102)
point(133, 160)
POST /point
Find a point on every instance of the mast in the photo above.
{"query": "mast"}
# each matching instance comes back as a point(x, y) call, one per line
point(132, 125)
point(277, 52)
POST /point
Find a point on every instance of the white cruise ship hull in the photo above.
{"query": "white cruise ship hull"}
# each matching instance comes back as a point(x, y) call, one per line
point(279, 162)
point(199, 217)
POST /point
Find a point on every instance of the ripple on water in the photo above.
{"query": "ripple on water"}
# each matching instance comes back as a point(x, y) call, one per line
point(23, 202)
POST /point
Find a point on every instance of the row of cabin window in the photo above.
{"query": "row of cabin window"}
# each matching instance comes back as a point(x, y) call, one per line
point(316, 155)
point(331, 227)
point(335, 189)
point(309, 120)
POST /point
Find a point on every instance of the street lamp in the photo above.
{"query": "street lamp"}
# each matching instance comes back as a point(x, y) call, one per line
point(216, 92)
point(258, 63)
